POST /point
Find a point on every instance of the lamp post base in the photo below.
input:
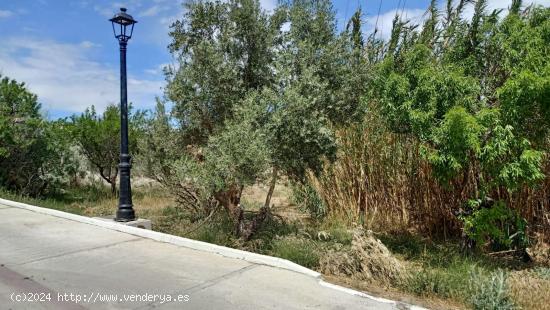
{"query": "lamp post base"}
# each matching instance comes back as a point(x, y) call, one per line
point(125, 214)
point(139, 223)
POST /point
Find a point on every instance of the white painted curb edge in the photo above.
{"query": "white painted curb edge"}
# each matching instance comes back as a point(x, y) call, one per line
point(364, 295)
point(200, 246)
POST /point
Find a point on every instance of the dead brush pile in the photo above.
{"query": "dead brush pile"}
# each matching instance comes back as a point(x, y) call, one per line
point(368, 259)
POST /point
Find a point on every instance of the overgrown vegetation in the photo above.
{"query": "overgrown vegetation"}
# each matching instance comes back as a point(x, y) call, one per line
point(418, 164)
point(35, 155)
point(454, 140)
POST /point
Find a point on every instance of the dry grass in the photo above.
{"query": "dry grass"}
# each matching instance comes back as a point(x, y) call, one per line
point(382, 181)
point(368, 259)
point(529, 290)
point(149, 202)
point(281, 202)
point(375, 289)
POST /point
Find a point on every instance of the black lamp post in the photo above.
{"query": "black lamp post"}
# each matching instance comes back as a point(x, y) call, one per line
point(125, 23)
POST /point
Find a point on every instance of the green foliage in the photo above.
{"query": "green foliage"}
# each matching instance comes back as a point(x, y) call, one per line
point(250, 97)
point(416, 94)
point(475, 93)
point(301, 251)
point(98, 137)
point(300, 134)
point(226, 49)
point(61, 156)
point(490, 292)
point(526, 96)
point(457, 141)
point(35, 156)
point(308, 199)
point(498, 226)
point(229, 161)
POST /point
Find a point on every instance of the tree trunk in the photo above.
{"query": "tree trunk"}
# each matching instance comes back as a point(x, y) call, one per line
point(230, 200)
point(113, 188)
point(254, 225)
point(271, 188)
point(112, 181)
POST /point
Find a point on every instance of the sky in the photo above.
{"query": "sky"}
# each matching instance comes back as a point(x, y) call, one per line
point(65, 52)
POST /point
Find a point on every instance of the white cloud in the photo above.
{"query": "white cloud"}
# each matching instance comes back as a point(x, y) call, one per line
point(502, 4)
point(112, 8)
point(64, 78)
point(158, 70)
point(152, 11)
point(385, 21)
point(268, 5)
point(5, 13)
point(88, 44)
point(105, 11)
point(418, 15)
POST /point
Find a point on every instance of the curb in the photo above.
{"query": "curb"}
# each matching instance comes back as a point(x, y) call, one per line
point(202, 246)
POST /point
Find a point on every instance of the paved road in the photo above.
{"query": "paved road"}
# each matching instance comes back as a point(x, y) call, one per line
point(54, 257)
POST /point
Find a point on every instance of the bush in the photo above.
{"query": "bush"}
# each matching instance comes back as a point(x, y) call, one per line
point(498, 226)
point(490, 292)
point(543, 272)
point(34, 154)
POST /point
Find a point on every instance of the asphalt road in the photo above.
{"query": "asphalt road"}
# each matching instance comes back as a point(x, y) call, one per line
point(47, 262)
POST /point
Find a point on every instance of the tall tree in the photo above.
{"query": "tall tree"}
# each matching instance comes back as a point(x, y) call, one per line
point(254, 101)
point(225, 51)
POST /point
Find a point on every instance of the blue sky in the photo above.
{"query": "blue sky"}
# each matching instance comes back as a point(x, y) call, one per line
point(66, 53)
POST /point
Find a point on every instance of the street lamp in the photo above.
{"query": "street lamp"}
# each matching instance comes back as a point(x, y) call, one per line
point(123, 27)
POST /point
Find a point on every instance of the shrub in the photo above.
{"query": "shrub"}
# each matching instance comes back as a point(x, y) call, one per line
point(498, 226)
point(34, 155)
point(491, 291)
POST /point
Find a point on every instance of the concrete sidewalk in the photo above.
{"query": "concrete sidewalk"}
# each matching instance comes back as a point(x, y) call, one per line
point(55, 257)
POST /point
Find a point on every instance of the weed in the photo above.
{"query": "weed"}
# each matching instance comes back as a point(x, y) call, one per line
point(302, 251)
point(542, 272)
point(491, 291)
point(433, 283)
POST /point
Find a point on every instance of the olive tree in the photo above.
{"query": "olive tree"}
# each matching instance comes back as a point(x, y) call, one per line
point(251, 101)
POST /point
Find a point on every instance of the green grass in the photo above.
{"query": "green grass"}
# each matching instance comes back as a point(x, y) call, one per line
point(61, 202)
point(442, 271)
point(302, 251)
point(542, 272)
